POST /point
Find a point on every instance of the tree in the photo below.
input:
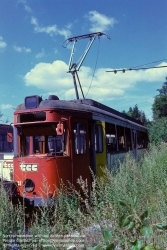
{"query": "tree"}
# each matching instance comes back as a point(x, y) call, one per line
point(159, 107)
point(157, 130)
point(137, 114)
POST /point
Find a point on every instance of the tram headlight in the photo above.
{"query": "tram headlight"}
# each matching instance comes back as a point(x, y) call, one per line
point(29, 185)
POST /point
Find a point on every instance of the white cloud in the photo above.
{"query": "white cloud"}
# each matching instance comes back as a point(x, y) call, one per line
point(26, 7)
point(6, 106)
point(156, 74)
point(105, 86)
point(50, 30)
point(49, 77)
point(100, 22)
point(3, 45)
point(21, 49)
point(41, 54)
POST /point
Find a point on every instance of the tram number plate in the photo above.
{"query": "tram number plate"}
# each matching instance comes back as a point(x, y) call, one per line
point(29, 167)
point(8, 164)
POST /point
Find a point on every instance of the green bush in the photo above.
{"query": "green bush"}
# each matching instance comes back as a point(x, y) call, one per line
point(157, 131)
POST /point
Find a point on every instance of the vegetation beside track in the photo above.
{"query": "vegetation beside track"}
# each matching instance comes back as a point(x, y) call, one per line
point(126, 210)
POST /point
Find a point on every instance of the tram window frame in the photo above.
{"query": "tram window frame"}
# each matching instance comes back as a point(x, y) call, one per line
point(142, 140)
point(5, 146)
point(121, 138)
point(128, 138)
point(98, 138)
point(111, 138)
point(39, 142)
point(42, 134)
point(113, 132)
point(79, 133)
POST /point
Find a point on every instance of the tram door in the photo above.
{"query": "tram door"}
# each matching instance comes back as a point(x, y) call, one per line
point(80, 150)
point(100, 147)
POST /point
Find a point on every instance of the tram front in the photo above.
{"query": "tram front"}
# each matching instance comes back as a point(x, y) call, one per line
point(41, 151)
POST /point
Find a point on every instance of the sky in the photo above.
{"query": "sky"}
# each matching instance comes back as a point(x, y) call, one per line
point(34, 62)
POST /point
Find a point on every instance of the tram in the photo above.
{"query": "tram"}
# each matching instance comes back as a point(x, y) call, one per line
point(6, 152)
point(57, 140)
point(61, 140)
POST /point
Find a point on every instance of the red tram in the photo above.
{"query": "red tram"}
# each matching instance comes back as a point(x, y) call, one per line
point(58, 140)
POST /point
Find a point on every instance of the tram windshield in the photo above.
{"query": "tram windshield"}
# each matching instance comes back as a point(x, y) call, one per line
point(42, 139)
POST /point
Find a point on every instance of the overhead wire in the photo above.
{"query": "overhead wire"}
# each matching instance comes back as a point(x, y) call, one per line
point(139, 67)
point(149, 63)
point(130, 69)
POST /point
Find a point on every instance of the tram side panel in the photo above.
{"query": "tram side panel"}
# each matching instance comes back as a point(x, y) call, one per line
point(112, 142)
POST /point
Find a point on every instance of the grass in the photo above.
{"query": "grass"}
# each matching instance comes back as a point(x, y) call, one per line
point(126, 210)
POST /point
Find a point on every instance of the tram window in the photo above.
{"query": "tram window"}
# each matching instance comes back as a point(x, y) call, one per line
point(55, 142)
point(121, 138)
point(27, 145)
point(111, 142)
point(5, 146)
point(38, 144)
point(142, 139)
point(50, 144)
point(111, 138)
point(79, 131)
point(98, 138)
point(5, 142)
point(128, 138)
point(43, 140)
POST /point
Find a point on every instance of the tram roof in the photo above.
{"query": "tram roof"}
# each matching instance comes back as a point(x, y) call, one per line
point(97, 109)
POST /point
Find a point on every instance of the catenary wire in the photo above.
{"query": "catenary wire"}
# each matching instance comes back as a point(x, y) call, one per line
point(130, 69)
point(149, 63)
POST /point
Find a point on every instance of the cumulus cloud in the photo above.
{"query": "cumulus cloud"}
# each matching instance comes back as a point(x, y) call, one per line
point(22, 49)
point(51, 30)
point(3, 45)
point(49, 77)
point(53, 77)
point(100, 22)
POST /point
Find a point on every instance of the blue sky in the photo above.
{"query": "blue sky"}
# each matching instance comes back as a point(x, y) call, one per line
point(33, 61)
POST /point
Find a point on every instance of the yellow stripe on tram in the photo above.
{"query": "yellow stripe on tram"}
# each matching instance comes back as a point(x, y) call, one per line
point(100, 140)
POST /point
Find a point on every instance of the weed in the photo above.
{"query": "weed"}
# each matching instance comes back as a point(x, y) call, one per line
point(125, 209)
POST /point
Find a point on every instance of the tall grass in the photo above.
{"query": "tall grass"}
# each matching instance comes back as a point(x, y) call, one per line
point(137, 193)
